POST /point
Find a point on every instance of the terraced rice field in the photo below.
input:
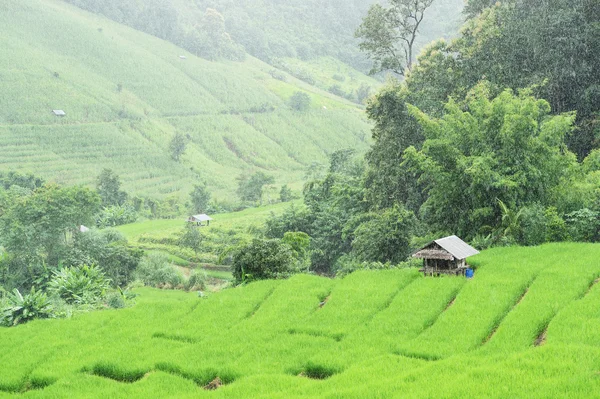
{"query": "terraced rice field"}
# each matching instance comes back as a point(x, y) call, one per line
point(527, 326)
point(126, 94)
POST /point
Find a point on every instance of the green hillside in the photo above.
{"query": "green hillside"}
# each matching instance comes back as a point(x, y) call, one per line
point(527, 326)
point(126, 94)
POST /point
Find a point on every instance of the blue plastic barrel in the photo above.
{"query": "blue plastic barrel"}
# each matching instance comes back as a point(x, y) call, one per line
point(469, 273)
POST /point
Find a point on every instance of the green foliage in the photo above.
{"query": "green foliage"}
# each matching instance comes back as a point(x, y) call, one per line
point(116, 215)
point(177, 146)
point(27, 181)
point(79, 284)
point(191, 237)
point(388, 34)
point(584, 225)
point(108, 185)
point(286, 194)
point(293, 218)
point(384, 237)
point(300, 244)
point(107, 249)
point(35, 228)
point(20, 308)
point(197, 280)
point(155, 270)
point(200, 198)
point(506, 148)
point(300, 101)
point(520, 44)
point(250, 188)
point(262, 259)
point(388, 180)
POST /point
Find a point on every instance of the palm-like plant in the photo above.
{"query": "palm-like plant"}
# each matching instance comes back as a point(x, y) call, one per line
point(24, 308)
point(511, 221)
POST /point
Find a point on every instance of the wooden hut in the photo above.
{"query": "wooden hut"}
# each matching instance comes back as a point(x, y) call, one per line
point(445, 256)
point(200, 219)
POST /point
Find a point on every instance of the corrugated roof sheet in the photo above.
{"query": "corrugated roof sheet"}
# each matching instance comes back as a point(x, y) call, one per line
point(59, 112)
point(457, 247)
point(202, 218)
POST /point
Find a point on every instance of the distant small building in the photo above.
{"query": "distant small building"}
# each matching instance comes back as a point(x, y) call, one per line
point(59, 112)
point(83, 229)
point(445, 256)
point(200, 219)
point(183, 57)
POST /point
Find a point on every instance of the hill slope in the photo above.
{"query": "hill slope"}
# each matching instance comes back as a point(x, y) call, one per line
point(126, 94)
point(526, 326)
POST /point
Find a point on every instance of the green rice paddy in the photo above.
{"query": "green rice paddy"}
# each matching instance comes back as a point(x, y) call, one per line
point(527, 326)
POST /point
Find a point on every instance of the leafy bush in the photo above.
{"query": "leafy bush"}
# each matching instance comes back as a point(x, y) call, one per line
point(292, 219)
point(80, 285)
point(300, 101)
point(116, 215)
point(584, 225)
point(23, 308)
point(533, 225)
point(197, 280)
point(262, 259)
point(385, 236)
point(107, 249)
point(115, 300)
point(156, 270)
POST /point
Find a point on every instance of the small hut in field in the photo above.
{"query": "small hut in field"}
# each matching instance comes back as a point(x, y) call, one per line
point(200, 219)
point(445, 256)
point(59, 112)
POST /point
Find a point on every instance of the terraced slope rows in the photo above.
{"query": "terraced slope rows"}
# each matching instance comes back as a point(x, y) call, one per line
point(126, 94)
point(526, 326)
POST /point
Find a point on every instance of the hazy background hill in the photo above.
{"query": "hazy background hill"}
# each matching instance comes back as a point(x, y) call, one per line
point(126, 93)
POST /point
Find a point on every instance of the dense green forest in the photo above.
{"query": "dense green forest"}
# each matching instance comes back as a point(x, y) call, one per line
point(492, 136)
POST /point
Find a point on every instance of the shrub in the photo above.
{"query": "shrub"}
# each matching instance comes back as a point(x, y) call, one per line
point(262, 259)
point(23, 308)
point(116, 215)
point(285, 194)
point(80, 284)
point(300, 101)
point(115, 300)
point(385, 236)
point(156, 270)
point(584, 225)
point(533, 225)
point(197, 280)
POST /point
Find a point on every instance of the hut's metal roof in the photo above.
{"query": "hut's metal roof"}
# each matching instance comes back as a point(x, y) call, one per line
point(202, 218)
point(59, 112)
point(452, 248)
point(457, 247)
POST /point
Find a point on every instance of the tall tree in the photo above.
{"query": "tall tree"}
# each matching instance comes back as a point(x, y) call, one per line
point(177, 146)
point(388, 34)
point(108, 185)
point(200, 198)
point(250, 188)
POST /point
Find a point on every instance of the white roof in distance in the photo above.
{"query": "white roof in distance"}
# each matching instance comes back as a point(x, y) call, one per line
point(202, 217)
point(59, 112)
